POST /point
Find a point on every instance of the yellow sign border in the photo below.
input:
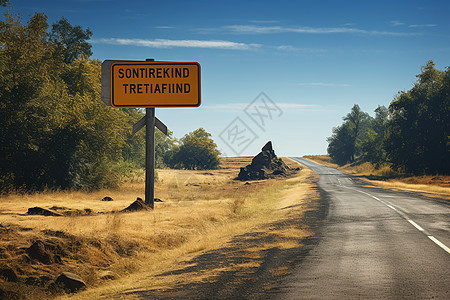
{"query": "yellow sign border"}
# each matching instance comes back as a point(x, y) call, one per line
point(173, 101)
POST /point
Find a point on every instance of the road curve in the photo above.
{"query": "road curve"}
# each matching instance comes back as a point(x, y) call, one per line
point(375, 244)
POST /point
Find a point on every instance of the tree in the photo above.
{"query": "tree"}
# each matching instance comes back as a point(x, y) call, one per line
point(56, 132)
point(70, 40)
point(28, 71)
point(340, 146)
point(356, 120)
point(99, 131)
point(344, 143)
point(371, 145)
point(418, 132)
point(164, 145)
point(196, 151)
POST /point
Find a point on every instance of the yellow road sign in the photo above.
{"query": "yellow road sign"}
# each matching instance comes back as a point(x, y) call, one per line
point(155, 84)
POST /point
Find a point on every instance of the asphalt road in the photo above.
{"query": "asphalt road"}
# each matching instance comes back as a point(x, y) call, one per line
point(374, 244)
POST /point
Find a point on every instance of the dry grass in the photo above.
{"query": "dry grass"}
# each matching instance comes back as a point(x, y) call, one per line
point(202, 210)
point(384, 176)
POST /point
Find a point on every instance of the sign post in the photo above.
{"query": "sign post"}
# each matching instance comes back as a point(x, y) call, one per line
point(150, 157)
point(149, 84)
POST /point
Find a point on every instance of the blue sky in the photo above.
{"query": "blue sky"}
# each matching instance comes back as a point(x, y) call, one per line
point(286, 71)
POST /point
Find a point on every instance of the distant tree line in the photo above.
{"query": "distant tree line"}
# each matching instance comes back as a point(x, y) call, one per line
point(412, 136)
point(55, 132)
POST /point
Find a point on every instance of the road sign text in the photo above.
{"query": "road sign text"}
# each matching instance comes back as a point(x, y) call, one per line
point(155, 84)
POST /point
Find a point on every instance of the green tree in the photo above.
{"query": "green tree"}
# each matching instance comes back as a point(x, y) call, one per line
point(196, 151)
point(340, 144)
point(56, 132)
point(28, 71)
point(70, 40)
point(99, 131)
point(371, 145)
point(357, 122)
point(344, 143)
point(164, 144)
point(418, 132)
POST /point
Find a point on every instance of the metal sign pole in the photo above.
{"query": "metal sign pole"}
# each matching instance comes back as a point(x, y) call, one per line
point(150, 157)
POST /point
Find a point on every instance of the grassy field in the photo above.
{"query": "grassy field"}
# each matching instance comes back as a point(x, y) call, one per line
point(385, 177)
point(115, 251)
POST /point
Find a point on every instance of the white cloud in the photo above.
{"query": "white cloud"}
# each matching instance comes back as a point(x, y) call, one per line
point(164, 27)
point(396, 23)
point(165, 43)
point(324, 84)
point(423, 25)
point(289, 48)
point(254, 29)
point(264, 21)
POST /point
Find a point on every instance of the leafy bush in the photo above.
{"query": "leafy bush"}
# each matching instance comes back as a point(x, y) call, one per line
point(197, 151)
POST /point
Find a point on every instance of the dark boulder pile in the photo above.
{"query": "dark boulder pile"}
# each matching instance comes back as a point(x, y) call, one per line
point(137, 205)
point(69, 282)
point(43, 212)
point(264, 165)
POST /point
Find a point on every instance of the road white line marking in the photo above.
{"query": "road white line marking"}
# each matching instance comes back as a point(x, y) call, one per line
point(416, 225)
point(439, 243)
point(405, 216)
point(391, 207)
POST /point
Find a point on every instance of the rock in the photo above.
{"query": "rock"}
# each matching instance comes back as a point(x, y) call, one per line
point(8, 274)
point(47, 252)
point(158, 200)
point(253, 173)
point(263, 159)
point(56, 208)
point(264, 165)
point(137, 205)
point(279, 172)
point(267, 147)
point(42, 212)
point(107, 199)
point(69, 282)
